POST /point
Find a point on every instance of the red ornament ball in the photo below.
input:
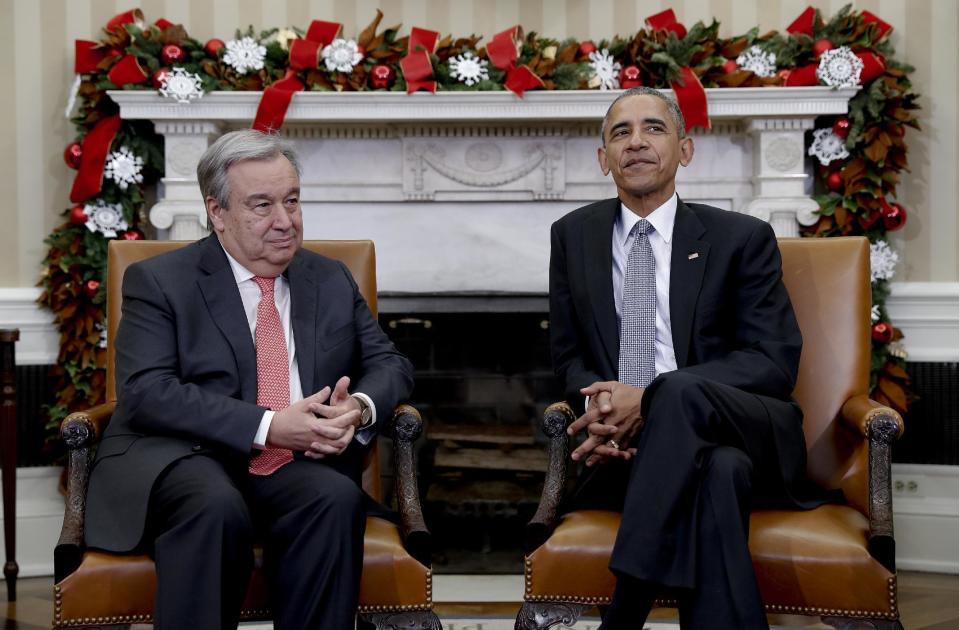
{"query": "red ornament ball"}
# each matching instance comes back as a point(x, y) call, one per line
point(78, 215)
point(587, 47)
point(382, 76)
point(730, 66)
point(90, 287)
point(820, 46)
point(629, 77)
point(159, 76)
point(841, 127)
point(72, 155)
point(213, 46)
point(882, 332)
point(171, 54)
point(893, 216)
point(131, 235)
point(834, 181)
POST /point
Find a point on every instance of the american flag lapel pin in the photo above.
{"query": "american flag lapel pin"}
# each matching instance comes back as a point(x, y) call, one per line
point(693, 256)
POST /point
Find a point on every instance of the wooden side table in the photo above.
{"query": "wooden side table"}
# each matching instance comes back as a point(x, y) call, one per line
point(8, 455)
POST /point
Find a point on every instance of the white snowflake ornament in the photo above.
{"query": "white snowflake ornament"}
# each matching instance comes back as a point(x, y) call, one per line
point(882, 261)
point(605, 68)
point(342, 55)
point(105, 218)
point(102, 329)
point(760, 62)
point(874, 313)
point(827, 146)
point(181, 86)
point(469, 68)
point(839, 67)
point(124, 168)
point(244, 55)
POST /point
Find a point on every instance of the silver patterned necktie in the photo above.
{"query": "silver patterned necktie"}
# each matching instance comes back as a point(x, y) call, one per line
point(637, 333)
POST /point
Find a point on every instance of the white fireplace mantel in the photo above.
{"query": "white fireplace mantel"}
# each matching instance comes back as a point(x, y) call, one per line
point(458, 189)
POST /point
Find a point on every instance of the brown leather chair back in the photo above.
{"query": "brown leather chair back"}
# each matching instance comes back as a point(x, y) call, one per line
point(358, 256)
point(829, 284)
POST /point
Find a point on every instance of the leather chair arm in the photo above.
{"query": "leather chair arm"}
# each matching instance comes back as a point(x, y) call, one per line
point(881, 426)
point(556, 418)
point(407, 426)
point(80, 431)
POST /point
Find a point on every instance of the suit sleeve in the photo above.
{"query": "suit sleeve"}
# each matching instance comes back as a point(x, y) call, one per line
point(768, 343)
point(567, 346)
point(157, 400)
point(384, 374)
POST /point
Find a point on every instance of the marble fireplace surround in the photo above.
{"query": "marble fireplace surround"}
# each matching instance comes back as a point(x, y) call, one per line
point(458, 189)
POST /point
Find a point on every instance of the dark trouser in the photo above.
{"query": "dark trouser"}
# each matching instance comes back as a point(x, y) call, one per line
point(204, 520)
point(705, 449)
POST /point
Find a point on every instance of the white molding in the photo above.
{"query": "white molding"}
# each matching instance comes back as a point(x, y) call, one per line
point(926, 517)
point(928, 315)
point(380, 107)
point(39, 342)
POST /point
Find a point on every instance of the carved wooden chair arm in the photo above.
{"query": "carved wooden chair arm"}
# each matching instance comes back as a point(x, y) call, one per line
point(79, 431)
point(881, 426)
point(556, 418)
point(406, 428)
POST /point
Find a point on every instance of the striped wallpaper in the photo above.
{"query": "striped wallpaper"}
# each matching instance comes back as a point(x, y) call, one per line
point(36, 61)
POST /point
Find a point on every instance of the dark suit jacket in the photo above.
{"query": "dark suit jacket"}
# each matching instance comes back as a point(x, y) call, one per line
point(186, 373)
point(732, 321)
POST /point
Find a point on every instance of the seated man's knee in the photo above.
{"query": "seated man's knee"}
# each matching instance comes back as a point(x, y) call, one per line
point(729, 463)
point(679, 396)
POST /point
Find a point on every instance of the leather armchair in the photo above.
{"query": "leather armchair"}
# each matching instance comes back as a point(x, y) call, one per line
point(95, 588)
point(836, 561)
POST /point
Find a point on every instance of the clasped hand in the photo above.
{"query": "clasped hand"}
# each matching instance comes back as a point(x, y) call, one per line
point(315, 427)
point(612, 421)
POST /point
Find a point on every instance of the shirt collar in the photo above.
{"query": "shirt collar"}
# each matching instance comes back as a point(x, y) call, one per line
point(662, 219)
point(240, 273)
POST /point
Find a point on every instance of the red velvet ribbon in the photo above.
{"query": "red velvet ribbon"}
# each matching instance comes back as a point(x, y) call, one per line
point(128, 17)
point(503, 51)
point(666, 21)
point(805, 75)
point(88, 55)
point(163, 24)
point(96, 145)
point(691, 98)
point(305, 53)
point(275, 101)
point(127, 70)
point(873, 65)
point(803, 23)
point(416, 65)
point(882, 26)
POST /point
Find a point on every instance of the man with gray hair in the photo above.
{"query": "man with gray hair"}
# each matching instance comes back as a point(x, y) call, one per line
point(674, 337)
point(236, 357)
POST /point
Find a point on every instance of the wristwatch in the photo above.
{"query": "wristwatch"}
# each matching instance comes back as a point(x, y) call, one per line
point(366, 412)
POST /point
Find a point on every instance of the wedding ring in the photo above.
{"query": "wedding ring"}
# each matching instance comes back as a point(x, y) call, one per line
point(613, 444)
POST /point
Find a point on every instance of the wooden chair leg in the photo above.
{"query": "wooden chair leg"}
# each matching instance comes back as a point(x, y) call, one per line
point(8, 456)
point(420, 620)
point(851, 623)
point(544, 615)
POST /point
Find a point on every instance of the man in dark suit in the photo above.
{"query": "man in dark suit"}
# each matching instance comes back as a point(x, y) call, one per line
point(673, 333)
point(235, 357)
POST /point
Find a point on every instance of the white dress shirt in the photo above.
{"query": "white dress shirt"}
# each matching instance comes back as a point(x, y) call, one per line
point(661, 241)
point(250, 295)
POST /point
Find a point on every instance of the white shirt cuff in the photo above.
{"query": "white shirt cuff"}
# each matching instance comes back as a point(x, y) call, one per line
point(259, 440)
point(366, 434)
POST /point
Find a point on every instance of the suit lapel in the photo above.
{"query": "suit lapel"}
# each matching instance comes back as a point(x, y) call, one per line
point(688, 265)
point(218, 287)
point(303, 304)
point(598, 261)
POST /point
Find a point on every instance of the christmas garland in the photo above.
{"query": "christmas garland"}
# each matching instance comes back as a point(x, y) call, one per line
point(861, 154)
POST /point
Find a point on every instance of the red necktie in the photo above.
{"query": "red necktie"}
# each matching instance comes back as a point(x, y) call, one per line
point(272, 373)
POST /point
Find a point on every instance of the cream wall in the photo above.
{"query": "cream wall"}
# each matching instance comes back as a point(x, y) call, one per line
point(36, 68)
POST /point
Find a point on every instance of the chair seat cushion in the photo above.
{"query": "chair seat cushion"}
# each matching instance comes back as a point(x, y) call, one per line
point(113, 588)
point(808, 562)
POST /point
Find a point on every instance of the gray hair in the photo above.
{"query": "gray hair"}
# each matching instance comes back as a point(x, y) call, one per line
point(233, 147)
point(671, 105)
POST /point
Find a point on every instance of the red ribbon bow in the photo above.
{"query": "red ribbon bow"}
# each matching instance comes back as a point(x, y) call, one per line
point(133, 16)
point(305, 53)
point(690, 94)
point(416, 65)
point(882, 26)
point(666, 21)
point(803, 23)
point(96, 145)
point(503, 51)
point(275, 101)
point(872, 66)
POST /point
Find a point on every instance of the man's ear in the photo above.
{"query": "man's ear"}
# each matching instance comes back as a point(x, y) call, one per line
point(603, 163)
point(686, 150)
point(214, 213)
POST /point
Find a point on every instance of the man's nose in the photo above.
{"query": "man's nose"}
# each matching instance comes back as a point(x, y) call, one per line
point(281, 218)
